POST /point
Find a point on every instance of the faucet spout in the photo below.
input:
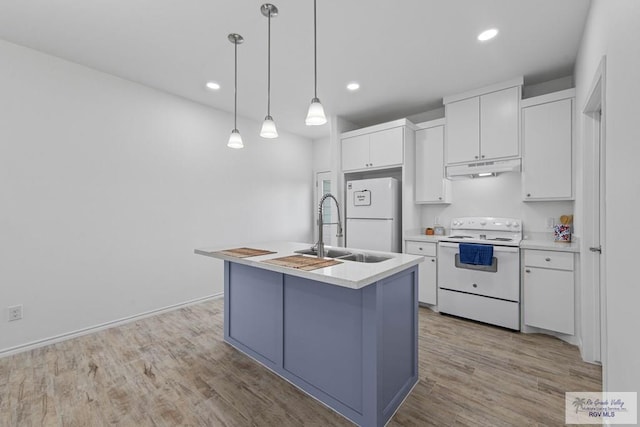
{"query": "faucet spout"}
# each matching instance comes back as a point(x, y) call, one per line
point(320, 244)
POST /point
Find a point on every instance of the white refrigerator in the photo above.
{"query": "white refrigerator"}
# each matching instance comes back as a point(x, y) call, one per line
point(373, 215)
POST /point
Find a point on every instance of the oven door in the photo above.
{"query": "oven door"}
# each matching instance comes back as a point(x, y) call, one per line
point(501, 280)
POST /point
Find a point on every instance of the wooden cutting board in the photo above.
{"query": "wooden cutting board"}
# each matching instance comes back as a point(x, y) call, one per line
point(302, 262)
point(245, 252)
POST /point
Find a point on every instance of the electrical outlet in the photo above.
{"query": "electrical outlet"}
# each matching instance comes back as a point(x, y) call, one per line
point(15, 312)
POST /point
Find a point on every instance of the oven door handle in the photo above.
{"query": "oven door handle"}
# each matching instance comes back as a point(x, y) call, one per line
point(513, 249)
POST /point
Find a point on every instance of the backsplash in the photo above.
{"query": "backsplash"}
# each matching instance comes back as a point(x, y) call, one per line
point(499, 196)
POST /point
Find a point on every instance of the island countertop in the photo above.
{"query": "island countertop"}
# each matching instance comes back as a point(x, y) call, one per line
point(348, 274)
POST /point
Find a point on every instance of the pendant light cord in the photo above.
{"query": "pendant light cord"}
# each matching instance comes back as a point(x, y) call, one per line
point(235, 89)
point(269, 67)
point(315, 53)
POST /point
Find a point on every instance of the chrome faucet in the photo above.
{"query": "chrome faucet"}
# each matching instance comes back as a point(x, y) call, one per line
point(320, 244)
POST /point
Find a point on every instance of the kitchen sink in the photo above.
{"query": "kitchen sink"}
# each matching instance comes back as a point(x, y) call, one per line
point(328, 253)
point(364, 257)
point(345, 255)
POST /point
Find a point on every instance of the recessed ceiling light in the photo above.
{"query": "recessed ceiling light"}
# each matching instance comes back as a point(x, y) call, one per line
point(353, 86)
point(487, 35)
point(213, 85)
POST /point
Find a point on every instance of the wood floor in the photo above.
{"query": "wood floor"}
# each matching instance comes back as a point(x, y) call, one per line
point(174, 370)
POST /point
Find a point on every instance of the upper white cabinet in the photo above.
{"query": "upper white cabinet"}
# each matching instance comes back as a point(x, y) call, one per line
point(463, 130)
point(547, 135)
point(374, 147)
point(431, 186)
point(483, 124)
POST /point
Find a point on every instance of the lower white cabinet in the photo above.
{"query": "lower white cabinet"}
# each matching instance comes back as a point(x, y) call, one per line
point(549, 290)
point(427, 270)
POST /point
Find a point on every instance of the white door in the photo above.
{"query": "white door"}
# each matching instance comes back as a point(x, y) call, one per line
point(429, 165)
point(324, 185)
point(372, 198)
point(594, 314)
point(355, 152)
point(385, 147)
point(371, 234)
point(547, 171)
point(499, 129)
point(463, 130)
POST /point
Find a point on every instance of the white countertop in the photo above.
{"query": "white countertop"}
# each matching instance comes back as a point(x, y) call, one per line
point(421, 237)
point(544, 241)
point(541, 241)
point(349, 274)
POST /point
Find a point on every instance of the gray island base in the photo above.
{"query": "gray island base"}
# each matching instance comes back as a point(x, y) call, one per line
point(353, 347)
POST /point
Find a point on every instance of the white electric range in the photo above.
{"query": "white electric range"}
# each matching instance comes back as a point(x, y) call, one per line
point(486, 293)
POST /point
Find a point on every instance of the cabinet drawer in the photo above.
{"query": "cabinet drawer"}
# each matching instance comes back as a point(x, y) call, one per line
point(548, 259)
point(421, 248)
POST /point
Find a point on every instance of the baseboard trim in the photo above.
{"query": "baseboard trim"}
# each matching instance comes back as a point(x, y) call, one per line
point(91, 329)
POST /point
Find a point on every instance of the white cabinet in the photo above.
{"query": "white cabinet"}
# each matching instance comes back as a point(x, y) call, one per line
point(463, 130)
point(483, 126)
point(431, 185)
point(383, 148)
point(549, 290)
point(427, 270)
point(547, 135)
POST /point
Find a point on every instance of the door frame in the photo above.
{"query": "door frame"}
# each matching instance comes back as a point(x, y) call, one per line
point(594, 271)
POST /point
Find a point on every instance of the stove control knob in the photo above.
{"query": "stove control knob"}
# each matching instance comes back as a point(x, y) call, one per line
point(483, 222)
point(508, 223)
point(516, 225)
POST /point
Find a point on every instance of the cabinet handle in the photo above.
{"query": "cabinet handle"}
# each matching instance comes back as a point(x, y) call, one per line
point(475, 285)
point(547, 259)
point(528, 194)
point(439, 197)
point(475, 157)
point(482, 156)
point(527, 271)
point(419, 249)
point(433, 260)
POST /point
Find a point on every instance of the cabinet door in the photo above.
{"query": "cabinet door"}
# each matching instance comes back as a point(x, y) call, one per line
point(548, 299)
point(386, 147)
point(427, 289)
point(430, 186)
point(463, 130)
point(547, 158)
point(499, 124)
point(355, 152)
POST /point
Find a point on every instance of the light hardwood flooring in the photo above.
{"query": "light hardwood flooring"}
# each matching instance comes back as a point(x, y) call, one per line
point(174, 369)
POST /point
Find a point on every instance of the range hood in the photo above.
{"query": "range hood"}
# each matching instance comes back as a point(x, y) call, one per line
point(491, 167)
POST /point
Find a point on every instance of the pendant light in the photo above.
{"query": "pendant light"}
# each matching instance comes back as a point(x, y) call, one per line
point(235, 140)
point(268, 126)
point(315, 115)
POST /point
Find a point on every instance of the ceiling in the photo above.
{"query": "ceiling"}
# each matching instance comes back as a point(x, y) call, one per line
point(406, 54)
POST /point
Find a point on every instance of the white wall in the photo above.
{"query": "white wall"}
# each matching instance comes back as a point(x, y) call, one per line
point(107, 187)
point(322, 155)
point(612, 30)
point(499, 196)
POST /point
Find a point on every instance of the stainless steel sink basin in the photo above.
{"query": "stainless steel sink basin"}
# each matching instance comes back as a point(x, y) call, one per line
point(328, 253)
point(364, 257)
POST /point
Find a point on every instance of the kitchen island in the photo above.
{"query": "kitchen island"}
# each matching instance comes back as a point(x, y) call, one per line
point(346, 334)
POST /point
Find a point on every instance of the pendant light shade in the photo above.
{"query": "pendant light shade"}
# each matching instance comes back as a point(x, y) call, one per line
point(235, 140)
point(269, 126)
point(268, 129)
point(315, 115)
